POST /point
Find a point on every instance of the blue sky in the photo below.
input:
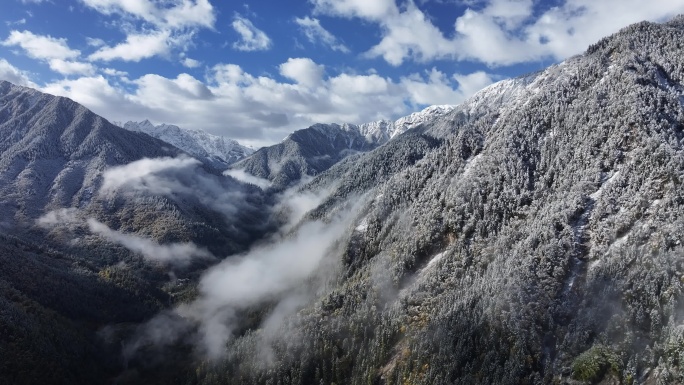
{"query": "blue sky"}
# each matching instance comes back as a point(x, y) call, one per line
point(255, 71)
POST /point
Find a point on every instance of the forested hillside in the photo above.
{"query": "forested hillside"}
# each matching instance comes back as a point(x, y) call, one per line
point(535, 238)
point(97, 229)
point(531, 235)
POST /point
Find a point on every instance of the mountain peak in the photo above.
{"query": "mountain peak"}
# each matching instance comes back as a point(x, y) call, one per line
point(214, 150)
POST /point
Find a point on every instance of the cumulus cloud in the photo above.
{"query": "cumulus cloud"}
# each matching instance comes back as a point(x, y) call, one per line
point(372, 10)
point(68, 67)
point(260, 110)
point(54, 51)
point(303, 71)
point(114, 72)
point(136, 47)
point(163, 27)
point(41, 47)
point(181, 13)
point(439, 89)
point(175, 254)
point(14, 75)
point(316, 34)
point(496, 32)
point(251, 37)
point(190, 63)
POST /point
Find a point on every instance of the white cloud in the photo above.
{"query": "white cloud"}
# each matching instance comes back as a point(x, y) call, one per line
point(13, 75)
point(571, 27)
point(372, 10)
point(165, 26)
point(410, 34)
point(54, 51)
point(67, 67)
point(95, 42)
point(21, 21)
point(497, 32)
point(136, 174)
point(439, 89)
point(260, 110)
point(136, 47)
point(287, 271)
point(190, 63)
point(315, 33)
point(266, 273)
point(176, 254)
point(471, 83)
point(176, 179)
point(97, 94)
point(251, 38)
point(303, 71)
point(190, 13)
point(114, 72)
point(182, 13)
point(40, 47)
point(59, 217)
point(244, 177)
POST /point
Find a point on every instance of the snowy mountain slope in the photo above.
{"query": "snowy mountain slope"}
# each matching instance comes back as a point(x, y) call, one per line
point(54, 154)
point(214, 150)
point(536, 238)
point(53, 151)
point(92, 218)
point(531, 235)
point(310, 151)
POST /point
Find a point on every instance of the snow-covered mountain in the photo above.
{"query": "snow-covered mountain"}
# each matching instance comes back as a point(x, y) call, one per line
point(312, 150)
point(53, 151)
point(54, 155)
point(533, 235)
point(214, 150)
point(381, 131)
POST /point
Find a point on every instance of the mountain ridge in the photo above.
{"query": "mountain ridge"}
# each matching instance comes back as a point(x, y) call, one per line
point(214, 150)
point(310, 151)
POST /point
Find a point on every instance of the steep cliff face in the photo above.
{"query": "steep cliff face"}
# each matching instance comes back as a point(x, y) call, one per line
point(535, 238)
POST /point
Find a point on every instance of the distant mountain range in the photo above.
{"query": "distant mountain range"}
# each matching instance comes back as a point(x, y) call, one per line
point(310, 151)
point(214, 150)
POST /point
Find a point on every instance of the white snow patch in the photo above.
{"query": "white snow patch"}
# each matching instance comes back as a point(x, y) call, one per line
point(434, 260)
point(363, 226)
point(618, 242)
point(599, 192)
point(593, 264)
point(470, 163)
